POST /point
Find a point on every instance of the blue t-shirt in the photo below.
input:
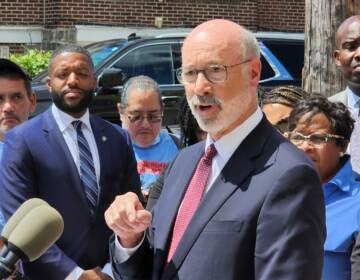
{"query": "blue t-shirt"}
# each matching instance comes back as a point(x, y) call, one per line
point(2, 219)
point(152, 161)
point(342, 202)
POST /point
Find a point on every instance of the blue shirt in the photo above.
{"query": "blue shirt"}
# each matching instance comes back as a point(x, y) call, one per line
point(2, 219)
point(342, 200)
point(152, 161)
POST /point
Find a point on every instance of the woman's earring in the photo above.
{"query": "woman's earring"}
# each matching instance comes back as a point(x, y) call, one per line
point(342, 154)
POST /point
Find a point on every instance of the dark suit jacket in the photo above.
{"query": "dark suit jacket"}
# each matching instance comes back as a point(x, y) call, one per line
point(262, 219)
point(37, 163)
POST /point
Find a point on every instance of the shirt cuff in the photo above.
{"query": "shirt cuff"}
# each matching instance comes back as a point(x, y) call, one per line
point(122, 254)
point(75, 274)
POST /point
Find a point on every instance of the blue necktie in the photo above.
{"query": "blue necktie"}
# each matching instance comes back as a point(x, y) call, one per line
point(87, 169)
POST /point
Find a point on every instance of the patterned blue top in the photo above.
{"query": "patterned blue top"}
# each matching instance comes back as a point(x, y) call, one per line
point(152, 161)
point(342, 200)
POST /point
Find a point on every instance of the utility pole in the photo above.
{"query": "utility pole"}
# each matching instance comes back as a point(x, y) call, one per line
point(322, 18)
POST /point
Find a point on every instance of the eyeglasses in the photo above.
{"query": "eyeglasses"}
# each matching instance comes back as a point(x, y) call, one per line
point(315, 139)
point(215, 73)
point(151, 117)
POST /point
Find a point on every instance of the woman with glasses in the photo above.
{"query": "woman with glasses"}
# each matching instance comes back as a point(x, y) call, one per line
point(278, 103)
point(322, 129)
point(141, 111)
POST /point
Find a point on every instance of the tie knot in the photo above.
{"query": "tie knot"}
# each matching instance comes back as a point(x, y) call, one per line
point(77, 125)
point(209, 154)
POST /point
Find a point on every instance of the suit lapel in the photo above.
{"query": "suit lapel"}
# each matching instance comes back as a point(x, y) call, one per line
point(60, 149)
point(240, 166)
point(177, 185)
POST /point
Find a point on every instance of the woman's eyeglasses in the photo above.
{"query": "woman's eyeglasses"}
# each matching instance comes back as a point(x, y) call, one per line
point(315, 139)
point(151, 117)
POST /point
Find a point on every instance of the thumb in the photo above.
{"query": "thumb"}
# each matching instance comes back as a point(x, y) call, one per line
point(144, 216)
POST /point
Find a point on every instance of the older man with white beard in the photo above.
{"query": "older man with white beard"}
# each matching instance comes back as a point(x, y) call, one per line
point(242, 204)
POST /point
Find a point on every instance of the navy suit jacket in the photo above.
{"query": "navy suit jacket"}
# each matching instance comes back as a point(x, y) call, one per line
point(263, 218)
point(37, 163)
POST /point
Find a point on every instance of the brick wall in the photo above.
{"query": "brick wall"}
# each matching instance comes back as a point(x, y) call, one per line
point(20, 12)
point(281, 15)
point(258, 15)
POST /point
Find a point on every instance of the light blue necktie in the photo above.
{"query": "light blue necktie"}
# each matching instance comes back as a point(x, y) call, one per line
point(87, 169)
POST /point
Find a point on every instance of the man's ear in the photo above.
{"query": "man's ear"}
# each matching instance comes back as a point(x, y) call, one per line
point(255, 71)
point(47, 81)
point(33, 102)
point(336, 56)
point(120, 111)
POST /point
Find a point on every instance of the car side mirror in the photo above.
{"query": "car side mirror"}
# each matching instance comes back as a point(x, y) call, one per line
point(110, 79)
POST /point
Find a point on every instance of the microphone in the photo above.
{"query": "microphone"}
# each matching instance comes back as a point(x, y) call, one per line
point(19, 214)
point(34, 232)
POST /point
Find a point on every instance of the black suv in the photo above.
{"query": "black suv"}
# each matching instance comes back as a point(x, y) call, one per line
point(158, 57)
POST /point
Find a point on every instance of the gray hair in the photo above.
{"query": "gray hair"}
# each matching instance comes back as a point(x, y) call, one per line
point(70, 48)
point(142, 83)
point(250, 45)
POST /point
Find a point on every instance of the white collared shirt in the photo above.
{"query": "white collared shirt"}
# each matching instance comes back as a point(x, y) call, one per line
point(64, 122)
point(352, 101)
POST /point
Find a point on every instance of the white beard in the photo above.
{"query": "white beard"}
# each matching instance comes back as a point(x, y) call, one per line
point(229, 112)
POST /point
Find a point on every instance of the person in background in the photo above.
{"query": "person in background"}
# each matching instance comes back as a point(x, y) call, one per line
point(141, 111)
point(190, 133)
point(347, 60)
point(322, 130)
point(76, 162)
point(17, 101)
point(278, 103)
point(245, 203)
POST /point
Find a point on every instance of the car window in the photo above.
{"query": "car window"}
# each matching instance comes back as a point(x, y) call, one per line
point(154, 61)
point(266, 70)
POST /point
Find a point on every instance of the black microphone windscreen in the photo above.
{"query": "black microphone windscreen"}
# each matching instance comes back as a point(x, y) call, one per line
point(36, 232)
point(19, 214)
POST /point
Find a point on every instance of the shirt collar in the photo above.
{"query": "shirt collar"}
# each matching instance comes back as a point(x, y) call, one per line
point(353, 99)
point(344, 178)
point(64, 120)
point(228, 143)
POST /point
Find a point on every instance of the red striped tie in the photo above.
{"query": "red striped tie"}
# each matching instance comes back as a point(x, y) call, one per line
point(192, 198)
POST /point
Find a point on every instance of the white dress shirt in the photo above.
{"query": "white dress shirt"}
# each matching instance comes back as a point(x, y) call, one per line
point(64, 122)
point(225, 147)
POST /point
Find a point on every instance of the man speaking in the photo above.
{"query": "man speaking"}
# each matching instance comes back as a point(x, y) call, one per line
point(244, 204)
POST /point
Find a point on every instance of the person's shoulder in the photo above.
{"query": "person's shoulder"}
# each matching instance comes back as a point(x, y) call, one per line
point(169, 137)
point(339, 97)
point(113, 129)
point(284, 155)
point(31, 126)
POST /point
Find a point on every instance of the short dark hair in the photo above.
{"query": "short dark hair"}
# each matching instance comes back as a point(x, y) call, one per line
point(70, 48)
point(337, 113)
point(10, 70)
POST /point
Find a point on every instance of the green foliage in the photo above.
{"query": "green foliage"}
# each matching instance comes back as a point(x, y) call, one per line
point(33, 61)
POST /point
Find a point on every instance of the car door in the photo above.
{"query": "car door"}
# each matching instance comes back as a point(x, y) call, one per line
point(157, 60)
